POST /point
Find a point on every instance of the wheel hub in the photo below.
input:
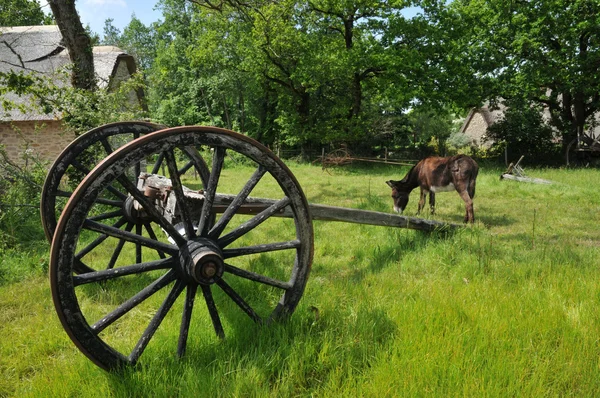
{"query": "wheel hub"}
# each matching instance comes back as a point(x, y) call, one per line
point(202, 261)
point(133, 212)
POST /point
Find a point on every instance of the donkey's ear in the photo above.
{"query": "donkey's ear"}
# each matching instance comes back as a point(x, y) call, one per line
point(391, 183)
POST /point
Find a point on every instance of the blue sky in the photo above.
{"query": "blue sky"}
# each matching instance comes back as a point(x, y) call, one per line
point(95, 12)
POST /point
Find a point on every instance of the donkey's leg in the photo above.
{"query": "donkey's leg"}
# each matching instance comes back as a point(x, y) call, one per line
point(471, 186)
point(422, 200)
point(432, 202)
point(469, 215)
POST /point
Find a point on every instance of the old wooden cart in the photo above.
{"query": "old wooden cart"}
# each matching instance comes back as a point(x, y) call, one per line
point(583, 150)
point(153, 190)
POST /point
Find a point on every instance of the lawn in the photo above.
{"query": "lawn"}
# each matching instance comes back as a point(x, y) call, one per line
point(506, 307)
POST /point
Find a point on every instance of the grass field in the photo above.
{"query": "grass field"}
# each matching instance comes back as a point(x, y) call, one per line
point(507, 307)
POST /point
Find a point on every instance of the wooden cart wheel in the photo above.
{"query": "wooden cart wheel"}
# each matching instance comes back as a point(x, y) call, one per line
point(571, 155)
point(73, 163)
point(579, 154)
point(79, 157)
point(249, 268)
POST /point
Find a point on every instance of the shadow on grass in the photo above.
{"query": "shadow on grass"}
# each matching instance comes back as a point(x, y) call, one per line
point(295, 355)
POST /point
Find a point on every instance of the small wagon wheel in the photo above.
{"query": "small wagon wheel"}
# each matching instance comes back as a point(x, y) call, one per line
point(74, 160)
point(79, 157)
point(258, 264)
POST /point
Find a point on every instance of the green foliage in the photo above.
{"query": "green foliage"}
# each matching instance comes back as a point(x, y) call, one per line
point(541, 51)
point(285, 73)
point(20, 192)
point(112, 34)
point(23, 13)
point(524, 132)
point(457, 141)
point(136, 39)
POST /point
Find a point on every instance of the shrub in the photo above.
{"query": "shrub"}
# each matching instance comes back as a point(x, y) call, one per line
point(20, 192)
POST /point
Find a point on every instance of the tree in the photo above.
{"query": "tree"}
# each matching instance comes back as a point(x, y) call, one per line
point(78, 43)
point(140, 42)
point(523, 131)
point(112, 35)
point(22, 13)
point(545, 51)
point(136, 39)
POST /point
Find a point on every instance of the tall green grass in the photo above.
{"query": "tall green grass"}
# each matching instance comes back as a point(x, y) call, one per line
point(507, 307)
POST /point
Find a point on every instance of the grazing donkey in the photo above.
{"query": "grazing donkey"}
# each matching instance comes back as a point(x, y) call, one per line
point(435, 174)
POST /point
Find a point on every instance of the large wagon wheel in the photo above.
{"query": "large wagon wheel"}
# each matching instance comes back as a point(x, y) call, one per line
point(259, 263)
point(79, 157)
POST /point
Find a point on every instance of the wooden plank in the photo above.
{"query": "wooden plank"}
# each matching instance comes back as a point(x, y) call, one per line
point(525, 179)
point(339, 214)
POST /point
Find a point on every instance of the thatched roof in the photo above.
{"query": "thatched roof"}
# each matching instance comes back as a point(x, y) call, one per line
point(40, 50)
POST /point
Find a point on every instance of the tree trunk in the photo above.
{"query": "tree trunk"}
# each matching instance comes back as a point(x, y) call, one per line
point(356, 96)
point(78, 43)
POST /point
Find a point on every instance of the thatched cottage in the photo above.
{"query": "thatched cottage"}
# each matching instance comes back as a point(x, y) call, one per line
point(39, 50)
point(477, 122)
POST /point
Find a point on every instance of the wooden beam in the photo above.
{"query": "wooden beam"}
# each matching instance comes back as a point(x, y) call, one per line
point(339, 214)
point(525, 179)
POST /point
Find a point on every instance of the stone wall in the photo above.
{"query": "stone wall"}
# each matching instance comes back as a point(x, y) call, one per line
point(41, 139)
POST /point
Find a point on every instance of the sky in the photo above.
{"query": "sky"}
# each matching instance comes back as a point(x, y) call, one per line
point(95, 12)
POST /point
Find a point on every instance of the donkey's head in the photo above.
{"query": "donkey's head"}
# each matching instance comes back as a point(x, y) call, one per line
point(400, 192)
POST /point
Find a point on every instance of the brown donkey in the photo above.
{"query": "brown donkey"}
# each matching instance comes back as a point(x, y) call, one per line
point(435, 174)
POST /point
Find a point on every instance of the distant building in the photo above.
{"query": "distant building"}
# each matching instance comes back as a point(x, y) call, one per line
point(479, 119)
point(40, 50)
point(477, 122)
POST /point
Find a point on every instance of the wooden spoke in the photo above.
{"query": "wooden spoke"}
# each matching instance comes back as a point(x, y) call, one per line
point(152, 235)
point(234, 206)
point(107, 274)
point(134, 301)
point(158, 163)
point(267, 247)
point(156, 321)
point(107, 216)
point(117, 251)
point(81, 268)
point(211, 189)
point(130, 237)
point(257, 277)
point(63, 194)
point(102, 201)
point(109, 202)
point(212, 310)
point(99, 240)
point(138, 246)
point(185, 168)
point(110, 188)
point(253, 222)
point(186, 318)
point(107, 147)
point(239, 301)
point(200, 165)
point(181, 201)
